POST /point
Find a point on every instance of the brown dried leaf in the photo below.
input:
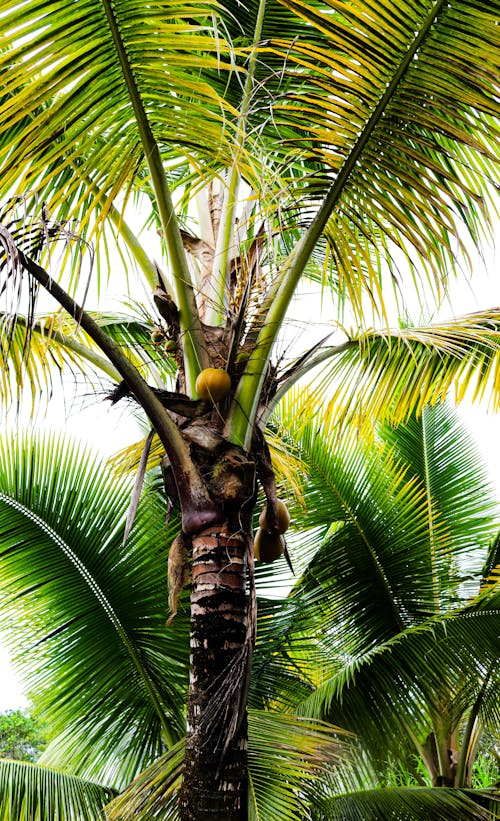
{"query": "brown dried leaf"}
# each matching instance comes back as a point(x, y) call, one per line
point(179, 572)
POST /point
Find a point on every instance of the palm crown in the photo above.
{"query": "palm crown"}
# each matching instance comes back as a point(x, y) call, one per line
point(373, 149)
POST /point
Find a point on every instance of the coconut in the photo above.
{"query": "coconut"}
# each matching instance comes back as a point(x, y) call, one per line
point(268, 547)
point(213, 384)
point(283, 518)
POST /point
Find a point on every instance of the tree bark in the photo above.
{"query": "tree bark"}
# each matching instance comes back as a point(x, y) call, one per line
point(215, 770)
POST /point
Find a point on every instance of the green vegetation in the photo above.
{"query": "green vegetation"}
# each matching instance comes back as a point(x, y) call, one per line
point(375, 679)
point(348, 147)
point(20, 736)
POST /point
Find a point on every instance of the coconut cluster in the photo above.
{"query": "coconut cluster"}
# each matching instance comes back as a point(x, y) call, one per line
point(269, 544)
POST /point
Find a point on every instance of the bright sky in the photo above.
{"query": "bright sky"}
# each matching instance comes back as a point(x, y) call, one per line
point(11, 696)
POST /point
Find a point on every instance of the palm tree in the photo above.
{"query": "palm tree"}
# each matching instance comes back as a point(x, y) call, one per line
point(288, 140)
point(85, 615)
point(403, 559)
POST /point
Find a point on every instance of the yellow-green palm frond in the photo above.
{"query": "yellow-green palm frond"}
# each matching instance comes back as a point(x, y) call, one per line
point(287, 463)
point(32, 356)
point(33, 351)
point(402, 176)
point(392, 374)
point(395, 107)
point(67, 116)
point(127, 459)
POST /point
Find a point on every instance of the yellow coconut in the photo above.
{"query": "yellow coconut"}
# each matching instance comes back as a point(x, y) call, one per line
point(213, 384)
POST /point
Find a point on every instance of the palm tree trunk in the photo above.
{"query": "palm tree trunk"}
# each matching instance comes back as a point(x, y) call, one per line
point(215, 771)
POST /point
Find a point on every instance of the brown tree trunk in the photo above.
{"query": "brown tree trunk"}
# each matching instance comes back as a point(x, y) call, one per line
point(215, 772)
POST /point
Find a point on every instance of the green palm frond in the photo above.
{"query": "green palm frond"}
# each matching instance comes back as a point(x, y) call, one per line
point(29, 791)
point(440, 451)
point(153, 791)
point(383, 512)
point(394, 684)
point(133, 333)
point(288, 756)
point(282, 674)
point(382, 537)
point(91, 611)
point(410, 804)
point(400, 526)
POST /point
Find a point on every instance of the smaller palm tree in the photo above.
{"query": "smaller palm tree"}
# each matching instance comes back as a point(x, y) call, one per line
point(400, 575)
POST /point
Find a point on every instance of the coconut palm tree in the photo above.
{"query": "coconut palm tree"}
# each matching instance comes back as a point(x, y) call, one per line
point(85, 617)
point(403, 556)
point(267, 143)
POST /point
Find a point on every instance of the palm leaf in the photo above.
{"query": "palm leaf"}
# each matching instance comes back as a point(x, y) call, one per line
point(31, 359)
point(84, 605)
point(29, 791)
point(283, 774)
point(414, 157)
point(408, 804)
point(364, 563)
point(388, 529)
point(282, 675)
point(392, 374)
point(396, 164)
point(53, 72)
point(396, 684)
point(34, 351)
point(438, 449)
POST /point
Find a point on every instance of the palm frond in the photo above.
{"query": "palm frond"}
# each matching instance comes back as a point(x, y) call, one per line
point(34, 351)
point(364, 563)
point(51, 75)
point(410, 804)
point(395, 540)
point(392, 374)
point(83, 604)
point(287, 759)
point(30, 359)
point(438, 449)
point(398, 139)
point(29, 791)
point(287, 755)
point(397, 683)
point(282, 674)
